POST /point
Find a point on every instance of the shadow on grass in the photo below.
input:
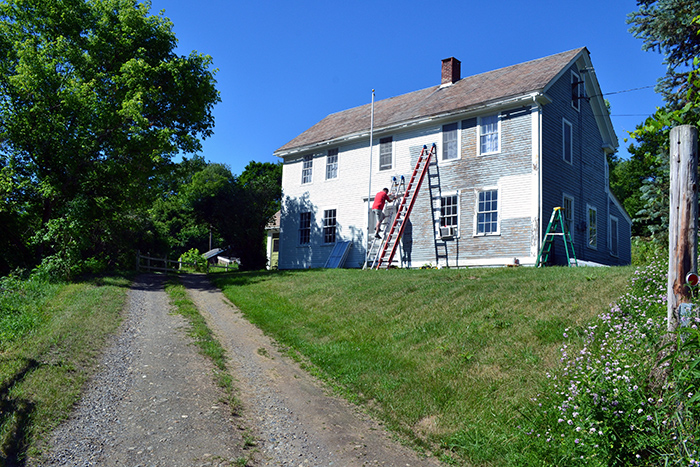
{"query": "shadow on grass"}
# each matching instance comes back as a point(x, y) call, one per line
point(15, 413)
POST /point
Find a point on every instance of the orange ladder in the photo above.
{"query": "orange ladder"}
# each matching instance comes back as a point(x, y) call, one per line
point(393, 234)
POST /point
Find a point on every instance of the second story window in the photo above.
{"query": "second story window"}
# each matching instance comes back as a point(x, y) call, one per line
point(332, 164)
point(385, 153)
point(306, 169)
point(567, 141)
point(449, 141)
point(489, 138)
point(576, 94)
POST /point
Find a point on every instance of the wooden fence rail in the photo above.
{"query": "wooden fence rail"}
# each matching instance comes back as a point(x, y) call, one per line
point(152, 263)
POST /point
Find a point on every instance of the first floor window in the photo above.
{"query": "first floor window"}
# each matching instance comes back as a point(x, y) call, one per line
point(329, 226)
point(592, 227)
point(613, 236)
point(275, 245)
point(385, 153)
point(332, 164)
point(449, 141)
point(306, 168)
point(569, 215)
point(567, 141)
point(304, 228)
point(488, 134)
point(487, 213)
point(448, 211)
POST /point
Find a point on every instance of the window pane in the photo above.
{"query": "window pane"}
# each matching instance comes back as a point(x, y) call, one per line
point(385, 153)
point(304, 228)
point(332, 164)
point(489, 134)
point(329, 226)
point(487, 213)
point(449, 141)
point(307, 166)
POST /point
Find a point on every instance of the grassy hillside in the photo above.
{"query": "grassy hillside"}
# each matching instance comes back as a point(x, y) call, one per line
point(445, 357)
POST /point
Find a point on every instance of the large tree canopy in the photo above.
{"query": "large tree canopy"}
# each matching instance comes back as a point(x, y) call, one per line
point(669, 27)
point(94, 101)
point(240, 207)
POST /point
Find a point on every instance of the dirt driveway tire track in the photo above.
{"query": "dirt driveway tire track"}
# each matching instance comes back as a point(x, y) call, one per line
point(297, 422)
point(153, 401)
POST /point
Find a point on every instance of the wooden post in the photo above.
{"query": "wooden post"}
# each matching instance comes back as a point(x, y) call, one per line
point(683, 218)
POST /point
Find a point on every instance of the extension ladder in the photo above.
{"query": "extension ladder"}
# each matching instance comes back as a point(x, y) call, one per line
point(556, 219)
point(393, 234)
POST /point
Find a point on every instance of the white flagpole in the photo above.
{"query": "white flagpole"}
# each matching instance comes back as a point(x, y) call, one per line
point(369, 196)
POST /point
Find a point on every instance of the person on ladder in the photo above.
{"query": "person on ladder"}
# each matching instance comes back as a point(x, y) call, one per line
point(380, 200)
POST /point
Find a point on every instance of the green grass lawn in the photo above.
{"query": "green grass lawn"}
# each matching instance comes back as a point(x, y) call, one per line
point(52, 335)
point(445, 357)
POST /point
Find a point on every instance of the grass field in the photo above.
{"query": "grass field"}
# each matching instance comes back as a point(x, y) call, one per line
point(51, 337)
point(444, 357)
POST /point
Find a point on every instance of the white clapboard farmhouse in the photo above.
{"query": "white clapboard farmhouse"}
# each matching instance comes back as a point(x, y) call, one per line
point(511, 145)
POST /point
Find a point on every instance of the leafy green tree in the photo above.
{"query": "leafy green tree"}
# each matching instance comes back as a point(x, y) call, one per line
point(669, 27)
point(240, 207)
point(94, 102)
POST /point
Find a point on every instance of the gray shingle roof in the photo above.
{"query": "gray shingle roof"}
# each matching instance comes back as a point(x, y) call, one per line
point(469, 92)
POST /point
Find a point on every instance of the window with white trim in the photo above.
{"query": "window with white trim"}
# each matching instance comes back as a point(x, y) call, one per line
point(489, 134)
point(576, 93)
point(306, 169)
point(487, 213)
point(385, 153)
point(450, 148)
point(592, 227)
point(568, 205)
point(567, 139)
point(614, 236)
point(329, 226)
point(304, 228)
point(332, 164)
point(449, 211)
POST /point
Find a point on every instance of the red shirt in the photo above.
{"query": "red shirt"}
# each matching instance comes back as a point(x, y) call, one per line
point(380, 200)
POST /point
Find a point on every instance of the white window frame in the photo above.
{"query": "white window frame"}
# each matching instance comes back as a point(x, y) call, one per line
point(576, 93)
point(332, 164)
point(455, 215)
point(304, 230)
point(614, 236)
point(567, 127)
point(591, 227)
point(569, 214)
point(479, 133)
point(477, 194)
point(457, 143)
point(326, 226)
point(307, 169)
point(382, 143)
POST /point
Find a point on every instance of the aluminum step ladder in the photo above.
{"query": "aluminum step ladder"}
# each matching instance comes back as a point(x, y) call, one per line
point(551, 233)
point(398, 186)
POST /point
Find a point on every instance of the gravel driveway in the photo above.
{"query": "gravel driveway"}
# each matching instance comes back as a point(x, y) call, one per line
point(154, 402)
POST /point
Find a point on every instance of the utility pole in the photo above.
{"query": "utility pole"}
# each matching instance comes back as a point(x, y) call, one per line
point(683, 222)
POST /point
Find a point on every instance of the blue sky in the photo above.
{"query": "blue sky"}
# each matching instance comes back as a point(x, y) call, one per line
point(285, 65)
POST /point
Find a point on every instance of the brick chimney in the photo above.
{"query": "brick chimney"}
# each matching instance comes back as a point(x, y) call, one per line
point(451, 71)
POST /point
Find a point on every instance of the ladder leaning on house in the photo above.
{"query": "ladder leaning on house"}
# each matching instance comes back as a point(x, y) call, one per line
point(393, 234)
point(374, 242)
point(557, 219)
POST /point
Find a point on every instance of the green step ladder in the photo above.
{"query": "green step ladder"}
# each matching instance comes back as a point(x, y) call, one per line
point(557, 219)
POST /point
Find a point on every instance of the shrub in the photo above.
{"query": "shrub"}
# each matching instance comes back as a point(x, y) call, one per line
point(603, 407)
point(193, 261)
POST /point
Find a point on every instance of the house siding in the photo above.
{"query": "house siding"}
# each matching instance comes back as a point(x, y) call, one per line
point(583, 179)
